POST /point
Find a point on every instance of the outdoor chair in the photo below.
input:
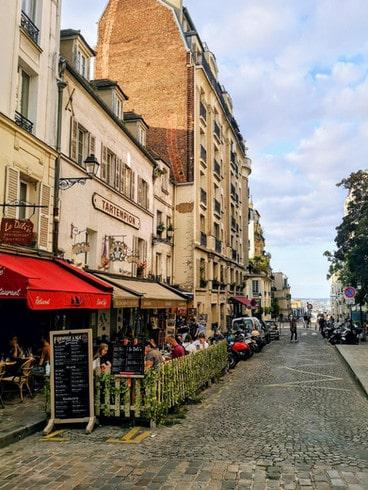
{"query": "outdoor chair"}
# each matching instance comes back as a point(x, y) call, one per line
point(21, 378)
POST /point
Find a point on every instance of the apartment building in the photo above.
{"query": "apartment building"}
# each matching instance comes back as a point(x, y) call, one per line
point(152, 49)
point(28, 97)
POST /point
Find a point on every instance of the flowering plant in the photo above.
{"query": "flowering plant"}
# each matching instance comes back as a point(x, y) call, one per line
point(142, 265)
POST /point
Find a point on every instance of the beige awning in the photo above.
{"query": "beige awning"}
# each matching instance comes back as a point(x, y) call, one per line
point(150, 294)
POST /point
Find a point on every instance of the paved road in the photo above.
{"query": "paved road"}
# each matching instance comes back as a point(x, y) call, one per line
point(292, 417)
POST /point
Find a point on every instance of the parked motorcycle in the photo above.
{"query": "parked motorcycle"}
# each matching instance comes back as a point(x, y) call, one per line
point(238, 347)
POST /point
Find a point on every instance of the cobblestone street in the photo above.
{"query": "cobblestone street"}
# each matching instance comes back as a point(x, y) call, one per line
point(292, 417)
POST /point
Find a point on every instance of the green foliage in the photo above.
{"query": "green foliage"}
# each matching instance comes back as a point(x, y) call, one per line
point(349, 262)
point(259, 263)
point(161, 390)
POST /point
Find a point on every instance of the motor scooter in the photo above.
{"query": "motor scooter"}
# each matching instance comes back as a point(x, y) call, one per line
point(238, 348)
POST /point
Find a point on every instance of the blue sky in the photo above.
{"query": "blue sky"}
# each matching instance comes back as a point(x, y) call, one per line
point(297, 71)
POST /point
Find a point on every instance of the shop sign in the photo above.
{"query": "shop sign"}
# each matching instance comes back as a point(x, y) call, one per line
point(16, 231)
point(115, 211)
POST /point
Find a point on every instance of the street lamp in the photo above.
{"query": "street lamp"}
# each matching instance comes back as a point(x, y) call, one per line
point(91, 165)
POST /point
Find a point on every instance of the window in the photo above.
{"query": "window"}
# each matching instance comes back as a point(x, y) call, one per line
point(22, 197)
point(116, 105)
point(255, 288)
point(82, 64)
point(142, 197)
point(29, 8)
point(82, 143)
point(28, 19)
point(129, 182)
point(22, 93)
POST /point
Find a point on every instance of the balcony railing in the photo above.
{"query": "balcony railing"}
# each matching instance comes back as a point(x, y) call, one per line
point(23, 122)
point(29, 27)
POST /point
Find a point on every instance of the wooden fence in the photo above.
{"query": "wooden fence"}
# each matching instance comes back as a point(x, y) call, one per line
point(152, 396)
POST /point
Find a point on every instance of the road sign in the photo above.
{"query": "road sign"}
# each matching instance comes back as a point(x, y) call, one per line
point(349, 292)
point(309, 306)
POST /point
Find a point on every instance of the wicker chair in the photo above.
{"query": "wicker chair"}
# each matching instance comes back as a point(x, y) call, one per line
point(21, 378)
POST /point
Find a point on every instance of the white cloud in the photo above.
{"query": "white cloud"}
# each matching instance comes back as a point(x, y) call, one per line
point(298, 76)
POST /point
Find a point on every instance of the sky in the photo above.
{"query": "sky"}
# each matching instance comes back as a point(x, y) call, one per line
point(297, 73)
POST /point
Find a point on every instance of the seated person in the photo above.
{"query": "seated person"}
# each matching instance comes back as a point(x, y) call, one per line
point(201, 343)
point(100, 359)
point(45, 352)
point(15, 349)
point(176, 349)
point(152, 357)
point(188, 345)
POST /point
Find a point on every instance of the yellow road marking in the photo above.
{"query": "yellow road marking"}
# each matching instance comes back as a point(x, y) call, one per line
point(131, 437)
point(52, 437)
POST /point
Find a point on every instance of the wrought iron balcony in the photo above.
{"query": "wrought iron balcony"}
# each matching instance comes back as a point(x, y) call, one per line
point(23, 122)
point(29, 27)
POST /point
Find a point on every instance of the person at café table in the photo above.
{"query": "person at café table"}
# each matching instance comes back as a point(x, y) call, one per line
point(45, 352)
point(100, 358)
point(201, 343)
point(15, 349)
point(176, 349)
point(152, 357)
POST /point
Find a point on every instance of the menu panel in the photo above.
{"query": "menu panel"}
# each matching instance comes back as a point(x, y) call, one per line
point(127, 359)
point(71, 374)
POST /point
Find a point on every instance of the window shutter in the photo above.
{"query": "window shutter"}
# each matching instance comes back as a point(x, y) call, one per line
point(132, 186)
point(74, 139)
point(92, 145)
point(44, 216)
point(104, 163)
point(11, 191)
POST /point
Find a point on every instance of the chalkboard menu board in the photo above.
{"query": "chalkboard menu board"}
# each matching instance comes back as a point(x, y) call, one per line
point(71, 379)
point(127, 359)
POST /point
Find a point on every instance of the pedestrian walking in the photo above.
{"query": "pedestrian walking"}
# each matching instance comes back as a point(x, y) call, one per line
point(293, 332)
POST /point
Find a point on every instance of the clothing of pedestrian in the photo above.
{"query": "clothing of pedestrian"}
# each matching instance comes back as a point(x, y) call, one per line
point(153, 357)
point(176, 350)
point(293, 331)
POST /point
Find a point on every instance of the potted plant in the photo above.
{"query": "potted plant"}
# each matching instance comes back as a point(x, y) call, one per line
point(160, 227)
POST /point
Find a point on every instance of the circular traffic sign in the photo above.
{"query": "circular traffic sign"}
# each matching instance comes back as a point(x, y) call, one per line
point(349, 292)
point(309, 306)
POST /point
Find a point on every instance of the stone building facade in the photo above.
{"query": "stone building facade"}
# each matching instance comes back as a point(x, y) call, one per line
point(153, 50)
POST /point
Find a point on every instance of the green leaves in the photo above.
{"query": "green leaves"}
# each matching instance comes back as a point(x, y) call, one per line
point(350, 260)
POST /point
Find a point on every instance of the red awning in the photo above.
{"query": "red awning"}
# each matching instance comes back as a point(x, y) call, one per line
point(241, 299)
point(51, 284)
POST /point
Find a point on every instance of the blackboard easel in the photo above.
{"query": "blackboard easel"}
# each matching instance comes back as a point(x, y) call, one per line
point(71, 378)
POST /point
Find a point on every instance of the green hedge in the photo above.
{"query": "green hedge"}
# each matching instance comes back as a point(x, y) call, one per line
point(171, 385)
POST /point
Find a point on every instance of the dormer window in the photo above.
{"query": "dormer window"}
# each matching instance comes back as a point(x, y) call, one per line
point(116, 105)
point(82, 64)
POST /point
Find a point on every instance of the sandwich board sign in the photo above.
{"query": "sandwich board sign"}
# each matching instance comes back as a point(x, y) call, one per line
point(71, 378)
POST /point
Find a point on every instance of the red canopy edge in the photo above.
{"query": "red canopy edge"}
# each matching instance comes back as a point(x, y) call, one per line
point(51, 284)
point(241, 299)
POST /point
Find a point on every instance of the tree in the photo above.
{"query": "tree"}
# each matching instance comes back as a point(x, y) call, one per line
point(350, 260)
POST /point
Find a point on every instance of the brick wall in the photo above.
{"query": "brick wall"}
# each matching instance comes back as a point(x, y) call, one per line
point(140, 47)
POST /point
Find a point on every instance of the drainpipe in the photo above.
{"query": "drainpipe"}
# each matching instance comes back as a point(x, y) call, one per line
point(61, 84)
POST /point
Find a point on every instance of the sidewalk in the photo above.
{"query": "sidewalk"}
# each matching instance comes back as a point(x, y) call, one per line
point(356, 357)
point(19, 420)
